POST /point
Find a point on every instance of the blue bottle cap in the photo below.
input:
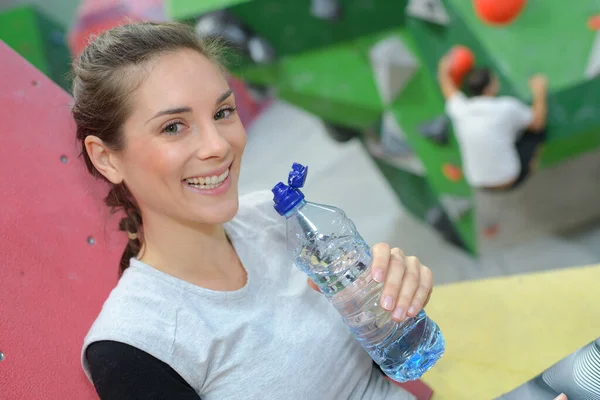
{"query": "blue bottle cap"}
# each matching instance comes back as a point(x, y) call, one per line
point(286, 197)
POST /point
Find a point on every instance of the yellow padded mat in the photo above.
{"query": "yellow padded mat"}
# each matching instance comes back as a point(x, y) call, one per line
point(501, 332)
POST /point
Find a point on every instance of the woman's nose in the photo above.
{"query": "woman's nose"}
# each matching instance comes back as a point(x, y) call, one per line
point(211, 142)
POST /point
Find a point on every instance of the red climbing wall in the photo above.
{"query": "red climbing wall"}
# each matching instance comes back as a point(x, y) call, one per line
point(59, 249)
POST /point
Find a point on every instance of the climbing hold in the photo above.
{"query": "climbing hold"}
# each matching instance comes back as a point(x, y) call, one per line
point(437, 130)
point(428, 10)
point(261, 51)
point(489, 231)
point(495, 12)
point(221, 24)
point(462, 61)
point(452, 172)
point(594, 22)
point(393, 66)
point(328, 10)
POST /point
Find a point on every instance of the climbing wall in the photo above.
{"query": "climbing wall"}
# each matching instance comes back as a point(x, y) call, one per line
point(59, 249)
point(519, 51)
point(291, 27)
point(559, 196)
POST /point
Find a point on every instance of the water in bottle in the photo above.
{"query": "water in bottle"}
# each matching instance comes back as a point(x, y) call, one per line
point(325, 244)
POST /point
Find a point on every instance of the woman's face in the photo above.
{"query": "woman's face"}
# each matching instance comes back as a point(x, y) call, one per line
point(183, 142)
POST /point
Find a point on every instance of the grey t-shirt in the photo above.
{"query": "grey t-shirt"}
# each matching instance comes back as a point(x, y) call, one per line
point(275, 338)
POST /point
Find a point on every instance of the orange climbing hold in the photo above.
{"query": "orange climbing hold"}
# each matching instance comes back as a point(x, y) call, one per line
point(462, 61)
point(594, 22)
point(452, 172)
point(498, 12)
point(490, 231)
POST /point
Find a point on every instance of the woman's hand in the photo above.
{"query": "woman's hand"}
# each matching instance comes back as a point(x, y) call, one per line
point(408, 283)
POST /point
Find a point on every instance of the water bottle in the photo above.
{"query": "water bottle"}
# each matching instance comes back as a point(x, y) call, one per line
point(325, 244)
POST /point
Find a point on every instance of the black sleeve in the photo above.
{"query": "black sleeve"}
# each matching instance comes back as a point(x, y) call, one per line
point(123, 372)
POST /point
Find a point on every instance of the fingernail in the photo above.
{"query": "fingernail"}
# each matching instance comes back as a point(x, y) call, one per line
point(398, 314)
point(388, 303)
point(411, 311)
point(378, 275)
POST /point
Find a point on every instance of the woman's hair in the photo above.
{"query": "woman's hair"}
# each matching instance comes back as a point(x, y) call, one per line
point(108, 70)
point(478, 80)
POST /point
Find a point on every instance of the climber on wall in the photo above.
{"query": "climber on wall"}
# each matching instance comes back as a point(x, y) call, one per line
point(500, 137)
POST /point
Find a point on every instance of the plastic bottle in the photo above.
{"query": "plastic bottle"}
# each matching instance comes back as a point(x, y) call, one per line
point(325, 244)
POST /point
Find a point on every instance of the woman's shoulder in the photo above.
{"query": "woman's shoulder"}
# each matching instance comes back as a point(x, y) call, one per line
point(257, 215)
point(260, 201)
point(139, 313)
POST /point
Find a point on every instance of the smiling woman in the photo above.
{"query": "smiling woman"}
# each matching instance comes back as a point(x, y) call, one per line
point(129, 117)
point(208, 303)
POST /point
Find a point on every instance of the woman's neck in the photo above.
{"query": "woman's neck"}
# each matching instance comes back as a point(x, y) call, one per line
point(199, 254)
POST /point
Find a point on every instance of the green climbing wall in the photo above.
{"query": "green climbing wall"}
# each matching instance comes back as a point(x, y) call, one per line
point(39, 40)
point(550, 35)
point(574, 122)
point(418, 102)
point(332, 96)
point(188, 9)
point(515, 53)
point(289, 26)
point(560, 50)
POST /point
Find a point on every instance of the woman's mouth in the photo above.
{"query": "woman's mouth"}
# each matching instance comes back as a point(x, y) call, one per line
point(207, 182)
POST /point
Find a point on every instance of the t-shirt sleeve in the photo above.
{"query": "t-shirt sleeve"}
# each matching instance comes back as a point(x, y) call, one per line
point(456, 104)
point(520, 113)
point(120, 371)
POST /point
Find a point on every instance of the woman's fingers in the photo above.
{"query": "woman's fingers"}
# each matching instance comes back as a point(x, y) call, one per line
point(421, 296)
point(428, 297)
point(410, 284)
point(381, 261)
point(393, 280)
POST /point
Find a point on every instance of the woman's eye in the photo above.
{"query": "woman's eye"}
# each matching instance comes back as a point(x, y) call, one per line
point(173, 128)
point(224, 113)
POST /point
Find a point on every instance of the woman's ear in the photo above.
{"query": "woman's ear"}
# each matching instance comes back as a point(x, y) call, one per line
point(104, 159)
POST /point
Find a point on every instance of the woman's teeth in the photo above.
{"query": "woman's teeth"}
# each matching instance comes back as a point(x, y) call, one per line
point(208, 182)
